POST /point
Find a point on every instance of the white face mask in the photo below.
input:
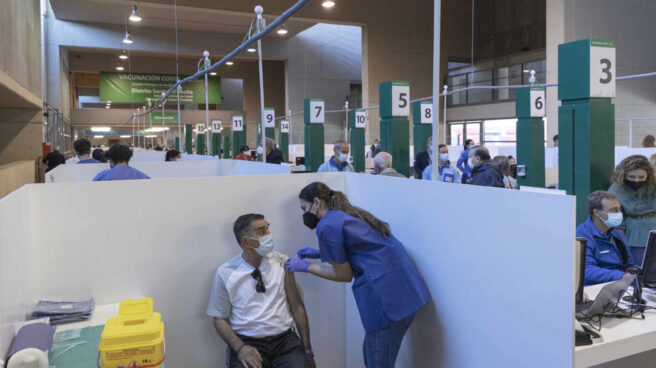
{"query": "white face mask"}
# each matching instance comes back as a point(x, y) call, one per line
point(614, 219)
point(246, 153)
point(259, 150)
point(444, 157)
point(343, 157)
point(266, 245)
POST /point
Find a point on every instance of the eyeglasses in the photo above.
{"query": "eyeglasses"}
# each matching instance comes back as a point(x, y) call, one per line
point(257, 275)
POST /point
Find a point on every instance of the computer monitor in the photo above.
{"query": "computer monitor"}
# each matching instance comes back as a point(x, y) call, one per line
point(649, 262)
point(581, 245)
point(300, 160)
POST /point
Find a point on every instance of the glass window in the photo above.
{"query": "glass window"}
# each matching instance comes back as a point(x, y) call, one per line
point(540, 67)
point(507, 76)
point(457, 82)
point(473, 131)
point(456, 134)
point(500, 131)
point(480, 78)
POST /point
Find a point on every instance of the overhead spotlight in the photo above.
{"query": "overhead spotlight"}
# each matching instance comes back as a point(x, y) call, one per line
point(328, 4)
point(101, 129)
point(251, 49)
point(107, 107)
point(282, 30)
point(120, 67)
point(127, 39)
point(228, 63)
point(123, 56)
point(213, 73)
point(126, 136)
point(99, 136)
point(135, 16)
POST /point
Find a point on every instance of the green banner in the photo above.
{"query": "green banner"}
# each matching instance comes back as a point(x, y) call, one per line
point(139, 87)
point(169, 117)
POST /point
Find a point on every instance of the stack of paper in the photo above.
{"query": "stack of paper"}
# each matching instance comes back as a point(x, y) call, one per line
point(63, 312)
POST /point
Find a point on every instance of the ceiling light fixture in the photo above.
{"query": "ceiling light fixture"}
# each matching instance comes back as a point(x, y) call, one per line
point(150, 136)
point(120, 67)
point(213, 73)
point(228, 63)
point(127, 39)
point(282, 30)
point(328, 4)
point(251, 49)
point(99, 136)
point(126, 136)
point(135, 16)
point(101, 129)
point(123, 56)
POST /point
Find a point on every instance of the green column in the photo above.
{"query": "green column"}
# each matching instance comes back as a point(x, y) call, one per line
point(314, 117)
point(177, 143)
point(422, 125)
point(586, 118)
point(238, 133)
point(357, 123)
point(530, 109)
point(216, 144)
point(227, 147)
point(283, 139)
point(394, 124)
point(188, 140)
point(200, 144)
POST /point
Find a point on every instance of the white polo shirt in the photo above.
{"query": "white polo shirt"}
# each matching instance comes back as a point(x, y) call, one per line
point(251, 313)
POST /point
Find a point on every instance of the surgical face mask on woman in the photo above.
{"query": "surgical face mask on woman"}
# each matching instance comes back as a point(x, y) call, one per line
point(266, 245)
point(246, 153)
point(310, 219)
point(614, 219)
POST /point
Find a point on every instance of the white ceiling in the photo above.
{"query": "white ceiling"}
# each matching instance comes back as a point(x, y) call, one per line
point(162, 16)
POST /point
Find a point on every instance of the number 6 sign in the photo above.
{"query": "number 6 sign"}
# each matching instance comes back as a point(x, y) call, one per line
point(537, 99)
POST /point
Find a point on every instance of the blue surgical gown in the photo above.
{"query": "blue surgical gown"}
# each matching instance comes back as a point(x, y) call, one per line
point(387, 286)
point(120, 172)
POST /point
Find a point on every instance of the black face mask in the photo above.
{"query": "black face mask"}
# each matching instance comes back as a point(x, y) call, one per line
point(635, 185)
point(310, 219)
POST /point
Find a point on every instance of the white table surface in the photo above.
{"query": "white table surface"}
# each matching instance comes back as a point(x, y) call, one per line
point(619, 337)
point(99, 316)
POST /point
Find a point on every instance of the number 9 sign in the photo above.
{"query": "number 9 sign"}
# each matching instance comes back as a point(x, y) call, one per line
point(269, 118)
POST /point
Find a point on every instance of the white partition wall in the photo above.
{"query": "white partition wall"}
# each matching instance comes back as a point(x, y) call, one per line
point(162, 170)
point(15, 231)
point(169, 251)
point(498, 264)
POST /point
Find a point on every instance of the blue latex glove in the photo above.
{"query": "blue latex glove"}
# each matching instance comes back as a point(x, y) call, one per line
point(309, 253)
point(297, 265)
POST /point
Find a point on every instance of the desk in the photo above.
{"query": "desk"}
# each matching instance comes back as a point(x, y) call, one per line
point(619, 337)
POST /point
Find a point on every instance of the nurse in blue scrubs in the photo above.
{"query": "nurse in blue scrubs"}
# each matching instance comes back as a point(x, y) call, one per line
point(119, 156)
point(82, 149)
point(357, 246)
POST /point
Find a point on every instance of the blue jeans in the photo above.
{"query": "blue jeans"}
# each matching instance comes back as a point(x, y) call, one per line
point(381, 346)
point(638, 254)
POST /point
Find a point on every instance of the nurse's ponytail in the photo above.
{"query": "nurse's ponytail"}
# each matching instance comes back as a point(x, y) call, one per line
point(338, 201)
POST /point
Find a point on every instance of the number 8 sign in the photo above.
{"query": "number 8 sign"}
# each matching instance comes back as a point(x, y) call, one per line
point(538, 102)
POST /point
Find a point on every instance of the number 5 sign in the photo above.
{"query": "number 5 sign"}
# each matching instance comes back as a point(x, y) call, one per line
point(602, 68)
point(537, 99)
point(394, 99)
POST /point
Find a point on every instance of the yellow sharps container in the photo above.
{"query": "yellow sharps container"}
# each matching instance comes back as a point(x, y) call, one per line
point(135, 338)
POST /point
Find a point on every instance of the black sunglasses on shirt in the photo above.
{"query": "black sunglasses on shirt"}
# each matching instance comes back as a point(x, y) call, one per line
point(259, 286)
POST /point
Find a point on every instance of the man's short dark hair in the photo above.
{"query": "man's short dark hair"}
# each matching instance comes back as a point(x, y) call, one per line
point(440, 146)
point(595, 198)
point(555, 137)
point(482, 153)
point(82, 146)
point(119, 153)
point(242, 226)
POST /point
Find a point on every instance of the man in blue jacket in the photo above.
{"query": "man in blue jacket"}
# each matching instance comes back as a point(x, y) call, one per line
point(484, 173)
point(607, 256)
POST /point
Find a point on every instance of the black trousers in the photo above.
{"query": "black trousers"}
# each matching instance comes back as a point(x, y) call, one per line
point(280, 351)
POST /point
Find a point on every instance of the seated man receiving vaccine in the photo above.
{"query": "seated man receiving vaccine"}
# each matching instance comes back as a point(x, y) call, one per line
point(255, 302)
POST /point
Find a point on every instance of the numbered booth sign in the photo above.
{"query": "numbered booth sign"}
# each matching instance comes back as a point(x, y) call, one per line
point(237, 123)
point(269, 117)
point(426, 112)
point(317, 113)
point(537, 98)
point(284, 126)
point(586, 68)
point(216, 126)
point(360, 118)
point(200, 128)
point(394, 99)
